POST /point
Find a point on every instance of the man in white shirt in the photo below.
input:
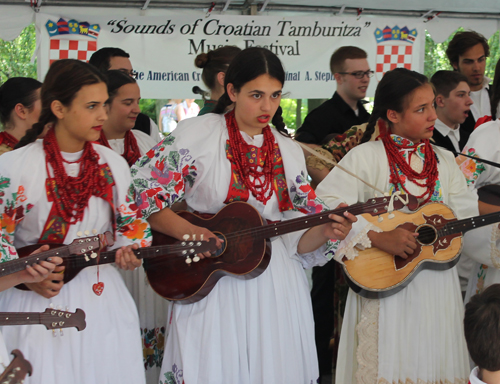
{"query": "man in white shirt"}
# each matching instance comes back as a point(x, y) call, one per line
point(467, 53)
point(453, 105)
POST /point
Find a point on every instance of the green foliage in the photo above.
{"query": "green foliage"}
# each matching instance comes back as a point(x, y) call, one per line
point(148, 107)
point(290, 118)
point(15, 55)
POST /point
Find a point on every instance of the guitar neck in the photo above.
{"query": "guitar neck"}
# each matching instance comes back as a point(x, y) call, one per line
point(141, 253)
point(20, 318)
point(18, 265)
point(465, 225)
point(309, 221)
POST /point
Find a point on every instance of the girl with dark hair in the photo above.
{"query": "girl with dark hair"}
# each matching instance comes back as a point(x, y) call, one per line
point(20, 108)
point(215, 64)
point(54, 191)
point(415, 335)
point(117, 134)
point(257, 331)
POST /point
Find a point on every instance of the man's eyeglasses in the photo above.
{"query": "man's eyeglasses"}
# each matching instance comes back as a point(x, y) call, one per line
point(359, 74)
point(132, 74)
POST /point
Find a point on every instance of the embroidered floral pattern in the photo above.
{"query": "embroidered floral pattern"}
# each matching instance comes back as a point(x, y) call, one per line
point(469, 167)
point(173, 377)
point(153, 343)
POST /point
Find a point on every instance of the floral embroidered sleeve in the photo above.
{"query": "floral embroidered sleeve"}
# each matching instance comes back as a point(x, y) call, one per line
point(470, 167)
point(304, 200)
point(160, 177)
point(130, 226)
point(13, 207)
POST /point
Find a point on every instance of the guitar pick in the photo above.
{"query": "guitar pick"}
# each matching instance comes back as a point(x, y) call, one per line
point(98, 288)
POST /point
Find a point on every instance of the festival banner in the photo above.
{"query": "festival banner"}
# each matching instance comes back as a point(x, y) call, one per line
point(163, 49)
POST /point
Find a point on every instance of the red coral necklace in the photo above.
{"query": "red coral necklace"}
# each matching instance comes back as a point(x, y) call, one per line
point(131, 151)
point(71, 194)
point(240, 149)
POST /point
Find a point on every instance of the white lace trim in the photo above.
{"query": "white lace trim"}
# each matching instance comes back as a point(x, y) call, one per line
point(360, 241)
point(495, 252)
point(367, 351)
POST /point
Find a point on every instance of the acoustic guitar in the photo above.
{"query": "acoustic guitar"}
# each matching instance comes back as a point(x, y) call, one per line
point(375, 274)
point(245, 252)
point(17, 370)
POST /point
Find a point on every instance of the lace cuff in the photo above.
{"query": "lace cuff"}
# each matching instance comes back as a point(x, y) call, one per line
point(354, 241)
point(321, 256)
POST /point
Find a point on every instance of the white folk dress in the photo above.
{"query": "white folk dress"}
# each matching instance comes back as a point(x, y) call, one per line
point(257, 331)
point(109, 350)
point(416, 335)
point(484, 248)
point(153, 309)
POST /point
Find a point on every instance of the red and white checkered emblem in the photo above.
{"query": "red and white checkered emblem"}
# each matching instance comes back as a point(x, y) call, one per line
point(392, 56)
point(71, 49)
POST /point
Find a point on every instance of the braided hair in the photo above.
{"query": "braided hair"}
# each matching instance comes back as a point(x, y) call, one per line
point(247, 66)
point(392, 94)
point(64, 79)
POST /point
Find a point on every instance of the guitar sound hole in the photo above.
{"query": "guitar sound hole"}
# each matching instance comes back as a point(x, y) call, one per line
point(427, 234)
point(223, 248)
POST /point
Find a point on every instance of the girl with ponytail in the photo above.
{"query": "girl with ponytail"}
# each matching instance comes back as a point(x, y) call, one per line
point(415, 335)
point(257, 331)
point(56, 190)
point(19, 109)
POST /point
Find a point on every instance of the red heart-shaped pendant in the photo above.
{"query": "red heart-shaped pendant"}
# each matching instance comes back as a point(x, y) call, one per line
point(98, 288)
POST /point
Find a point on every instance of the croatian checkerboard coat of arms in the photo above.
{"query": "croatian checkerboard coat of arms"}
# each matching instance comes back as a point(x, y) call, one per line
point(394, 49)
point(70, 39)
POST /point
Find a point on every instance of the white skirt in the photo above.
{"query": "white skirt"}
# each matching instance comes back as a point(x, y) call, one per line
point(257, 331)
point(108, 351)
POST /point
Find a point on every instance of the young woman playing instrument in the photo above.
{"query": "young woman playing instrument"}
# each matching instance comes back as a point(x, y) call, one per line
point(117, 134)
point(415, 335)
point(56, 190)
point(20, 108)
point(257, 331)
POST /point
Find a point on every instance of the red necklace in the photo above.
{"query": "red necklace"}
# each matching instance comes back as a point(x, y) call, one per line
point(426, 179)
point(7, 139)
point(242, 164)
point(131, 150)
point(70, 194)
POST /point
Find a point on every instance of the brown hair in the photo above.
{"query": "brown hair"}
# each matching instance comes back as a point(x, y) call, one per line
point(214, 62)
point(62, 82)
point(17, 90)
point(339, 57)
point(463, 41)
point(482, 328)
point(446, 81)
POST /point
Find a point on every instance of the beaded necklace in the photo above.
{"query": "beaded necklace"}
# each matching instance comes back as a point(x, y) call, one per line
point(70, 194)
point(425, 179)
point(7, 139)
point(244, 167)
point(131, 150)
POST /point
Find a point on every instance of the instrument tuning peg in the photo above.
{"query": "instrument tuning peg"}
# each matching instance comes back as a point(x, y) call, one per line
point(66, 309)
point(87, 232)
point(185, 237)
point(61, 332)
point(391, 216)
point(54, 333)
point(86, 258)
point(93, 255)
point(188, 260)
point(194, 237)
point(196, 259)
point(51, 305)
point(201, 237)
point(79, 233)
point(380, 219)
point(94, 231)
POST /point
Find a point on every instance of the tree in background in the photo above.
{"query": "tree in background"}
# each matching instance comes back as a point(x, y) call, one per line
point(15, 55)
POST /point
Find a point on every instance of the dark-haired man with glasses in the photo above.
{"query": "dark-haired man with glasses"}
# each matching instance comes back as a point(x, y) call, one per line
point(349, 66)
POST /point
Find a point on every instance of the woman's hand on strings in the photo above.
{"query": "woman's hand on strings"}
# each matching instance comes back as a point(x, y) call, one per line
point(126, 259)
point(45, 278)
point(202, 234)
point(398, 242)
